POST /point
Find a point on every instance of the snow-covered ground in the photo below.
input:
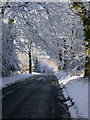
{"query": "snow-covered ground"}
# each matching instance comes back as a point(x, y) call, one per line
point(5, 81)
point(76, 88)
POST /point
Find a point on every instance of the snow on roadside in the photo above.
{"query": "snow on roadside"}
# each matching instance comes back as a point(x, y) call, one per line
point(75, 87)
point(61, 74)
point(15, 78)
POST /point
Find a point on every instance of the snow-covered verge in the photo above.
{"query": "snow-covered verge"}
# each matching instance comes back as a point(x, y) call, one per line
point(15, 78)
point(76, 89)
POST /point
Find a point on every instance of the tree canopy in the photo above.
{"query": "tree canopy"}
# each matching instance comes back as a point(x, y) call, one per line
point(51, 26)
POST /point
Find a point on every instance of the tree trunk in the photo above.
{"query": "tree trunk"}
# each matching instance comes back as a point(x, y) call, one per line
point(87, 63)
point(65, 51)
point(30, 62)
point(87, 47)
point(60, 58)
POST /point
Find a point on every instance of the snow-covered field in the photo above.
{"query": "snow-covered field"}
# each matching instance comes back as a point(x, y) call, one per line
point(14, 78)
point(76, 88)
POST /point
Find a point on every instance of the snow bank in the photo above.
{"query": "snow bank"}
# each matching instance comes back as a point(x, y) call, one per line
point(61, 74)
point(15, 78)
point(75, 87)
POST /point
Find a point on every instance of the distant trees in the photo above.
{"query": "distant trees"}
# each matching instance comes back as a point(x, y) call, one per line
point(37, 66)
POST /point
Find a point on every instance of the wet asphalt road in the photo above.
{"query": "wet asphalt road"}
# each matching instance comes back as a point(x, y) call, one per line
point(35, 97)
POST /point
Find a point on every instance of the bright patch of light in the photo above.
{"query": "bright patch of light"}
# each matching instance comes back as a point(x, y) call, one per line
point(44, 58)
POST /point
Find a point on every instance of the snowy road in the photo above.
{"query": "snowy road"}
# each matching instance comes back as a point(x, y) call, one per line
point(36, 97)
